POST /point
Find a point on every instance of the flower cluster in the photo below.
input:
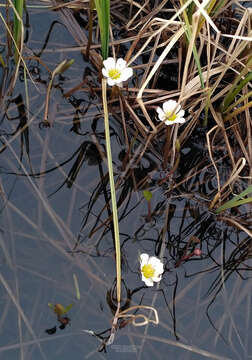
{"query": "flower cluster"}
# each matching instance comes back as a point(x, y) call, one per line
point(117, 71)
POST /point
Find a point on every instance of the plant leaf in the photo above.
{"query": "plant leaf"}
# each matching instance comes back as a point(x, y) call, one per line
point(103, 12)
point(236, 201)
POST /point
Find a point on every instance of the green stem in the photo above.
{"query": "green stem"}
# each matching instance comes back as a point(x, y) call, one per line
point(19, 6)
point(113, 194)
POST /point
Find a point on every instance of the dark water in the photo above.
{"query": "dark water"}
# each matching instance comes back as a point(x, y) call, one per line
point(204, 303)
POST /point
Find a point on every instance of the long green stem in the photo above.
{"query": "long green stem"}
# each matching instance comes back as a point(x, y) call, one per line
point(113, 193)
point(19, 6)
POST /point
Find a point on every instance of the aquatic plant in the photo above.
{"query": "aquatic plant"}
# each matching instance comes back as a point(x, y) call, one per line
point(199, 55)
point(148, 196)
point(59, 310)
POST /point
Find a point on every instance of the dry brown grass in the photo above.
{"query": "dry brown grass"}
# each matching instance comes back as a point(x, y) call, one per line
point(222, 42)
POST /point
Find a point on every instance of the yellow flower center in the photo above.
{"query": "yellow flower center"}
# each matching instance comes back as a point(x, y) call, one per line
point(114, 74)
point(148, 271)
point(169, 116)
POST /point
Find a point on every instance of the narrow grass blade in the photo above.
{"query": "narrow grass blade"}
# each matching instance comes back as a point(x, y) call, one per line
point(188, 33)
point(237, 200)
point(231, 96)
point(19, 6)
point(240, 81)
point(103, 12)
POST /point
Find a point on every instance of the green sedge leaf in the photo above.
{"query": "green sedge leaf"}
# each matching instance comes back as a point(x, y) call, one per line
point(103, 12)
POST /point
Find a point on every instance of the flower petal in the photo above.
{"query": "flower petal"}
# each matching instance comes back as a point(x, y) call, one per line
point(109, 63)
point(148, 282)
point(110, 81)
point(181, 113)
point(177, 108)
point(180, 120)
point(154, 261)
point(159, 270)
point(168, 122)
point(157, 265)
point(105, 72)
point(126, 74)
point(144, 259)
point(156, 278)
point(169, 105)
point(120, 84)
point(121, 64)
point(118, 81)
point(161, 114)
point(159, 110)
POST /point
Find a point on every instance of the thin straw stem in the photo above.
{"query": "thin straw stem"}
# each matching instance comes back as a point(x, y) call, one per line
point(113, 193)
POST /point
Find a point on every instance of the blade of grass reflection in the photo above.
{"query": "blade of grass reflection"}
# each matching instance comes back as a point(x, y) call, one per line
point(96, 275)
point(63, 229)
point(33, 342)
point(177, 344)
point(22, 314)
point(23, 127)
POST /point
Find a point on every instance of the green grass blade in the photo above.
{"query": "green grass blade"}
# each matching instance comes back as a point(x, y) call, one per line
point(240, 81)
point(19, 6)
point(103, 12)
point(188, 33)
point(231, 95)
point(2, 62)
point(237, 200)
point(219, 5)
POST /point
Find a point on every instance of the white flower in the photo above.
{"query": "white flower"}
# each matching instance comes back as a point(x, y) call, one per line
point(171, 113)
point(116, 71)
point(151, 268)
